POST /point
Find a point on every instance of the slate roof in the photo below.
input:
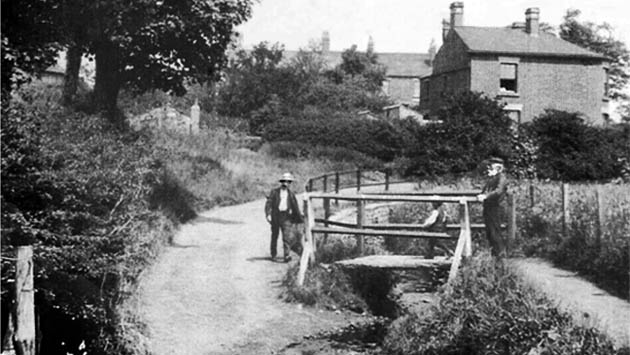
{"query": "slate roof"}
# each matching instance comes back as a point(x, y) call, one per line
point(516, 41)
point(397, 64)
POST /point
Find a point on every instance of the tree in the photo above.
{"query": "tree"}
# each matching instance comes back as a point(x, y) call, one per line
point(599, 39)
point(355, 63)
point(29, 39)
point(137, 44)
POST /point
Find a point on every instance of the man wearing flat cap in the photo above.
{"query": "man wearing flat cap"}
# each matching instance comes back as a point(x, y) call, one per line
point(282, 212)
point(492, 195)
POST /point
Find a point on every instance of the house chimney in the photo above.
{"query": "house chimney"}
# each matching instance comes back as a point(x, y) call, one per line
point(325, 42)
point(432, 51)
point(446, 26)
point(531, 21)
point(370, 45)
point(457, 14)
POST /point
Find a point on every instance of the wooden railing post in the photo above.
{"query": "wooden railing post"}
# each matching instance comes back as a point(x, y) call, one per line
point(326, 217)
point(387, 172)
point(565, 210)
point(512, 221)
point(325, 183)
point(464, 245)
point(532, 200)
point(310, 185)
point(360, 224)
point(337, 186)
point(358, 179)
point(308, 244)
point(600, 214)
point(25, 308)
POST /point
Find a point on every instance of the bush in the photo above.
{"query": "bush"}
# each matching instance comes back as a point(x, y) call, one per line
point(473, 127)
point(374, 138)
point(570, 150)
point(78, 192)
point(488, 310)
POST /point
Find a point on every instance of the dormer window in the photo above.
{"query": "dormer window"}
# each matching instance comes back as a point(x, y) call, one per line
point(508, 81)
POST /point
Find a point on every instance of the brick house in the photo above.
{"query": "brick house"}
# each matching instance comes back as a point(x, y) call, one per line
point(404, 70)
point(527, 69)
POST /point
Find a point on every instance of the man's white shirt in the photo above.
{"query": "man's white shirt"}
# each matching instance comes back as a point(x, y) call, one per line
point(284, 196)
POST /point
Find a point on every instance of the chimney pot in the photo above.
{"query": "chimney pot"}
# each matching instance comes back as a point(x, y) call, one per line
point(457, 14)
point(532, 25)
point(325, 42)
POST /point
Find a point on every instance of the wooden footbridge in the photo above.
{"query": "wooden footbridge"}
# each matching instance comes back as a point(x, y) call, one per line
point(319, 189)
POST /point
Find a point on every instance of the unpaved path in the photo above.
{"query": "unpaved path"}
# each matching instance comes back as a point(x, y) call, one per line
point(215, 291)
point(590, 305)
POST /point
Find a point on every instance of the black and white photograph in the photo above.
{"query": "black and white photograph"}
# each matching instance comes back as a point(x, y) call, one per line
point(315, 177)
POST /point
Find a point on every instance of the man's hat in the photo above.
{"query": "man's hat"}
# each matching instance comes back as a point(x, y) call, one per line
point(286, 177)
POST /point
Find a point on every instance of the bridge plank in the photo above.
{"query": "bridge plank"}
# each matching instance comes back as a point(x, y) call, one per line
point(372, 232)
point(394, 262)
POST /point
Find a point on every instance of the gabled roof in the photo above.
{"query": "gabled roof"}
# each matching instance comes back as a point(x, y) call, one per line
point(397, 64)
point(516, 41)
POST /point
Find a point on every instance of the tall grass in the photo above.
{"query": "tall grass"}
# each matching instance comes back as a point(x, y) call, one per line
point(488, 310)
point(599, 252)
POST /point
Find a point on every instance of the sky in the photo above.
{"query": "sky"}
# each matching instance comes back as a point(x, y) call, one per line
point(406, 25)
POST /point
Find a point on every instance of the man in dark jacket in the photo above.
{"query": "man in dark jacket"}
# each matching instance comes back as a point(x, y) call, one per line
point(492, 195)
point(282, 211)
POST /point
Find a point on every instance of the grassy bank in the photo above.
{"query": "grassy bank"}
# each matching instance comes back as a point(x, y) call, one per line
point(489, 310)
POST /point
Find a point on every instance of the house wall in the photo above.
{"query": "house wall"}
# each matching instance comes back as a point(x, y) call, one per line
point(402, 89)
point(563, 84)
point(452, 55)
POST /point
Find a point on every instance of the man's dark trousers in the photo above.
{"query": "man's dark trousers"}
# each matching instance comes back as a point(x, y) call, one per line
point(283, 223)
point(492, 220)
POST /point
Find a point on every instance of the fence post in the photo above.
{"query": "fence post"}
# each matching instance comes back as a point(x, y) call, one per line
point(600, 214)
point(358, 179)
point(25, 309)
point(360, 224)
point(325, 183)
point(532, 200)
point(307, 240)
point(310, 185)
point(387, 172)
point(326, 217)
point(511, 221)
point(336, 187)
point(565, 209)
point(464, 239)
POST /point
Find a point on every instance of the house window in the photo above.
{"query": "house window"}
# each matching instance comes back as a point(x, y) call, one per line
point(508, 80)
point(416, 90)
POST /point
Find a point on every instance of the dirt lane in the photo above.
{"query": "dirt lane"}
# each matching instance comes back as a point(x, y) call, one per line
point(215, 291)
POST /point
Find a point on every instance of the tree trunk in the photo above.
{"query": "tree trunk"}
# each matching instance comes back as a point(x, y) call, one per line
point(107, 83)
point(71, 80)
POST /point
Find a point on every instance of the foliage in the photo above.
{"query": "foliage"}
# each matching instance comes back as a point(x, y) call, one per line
point(80, 194)
point(600, 253)
point(488, 310)
point(473, 127)
point(328, 287)
point(29, 40)
point(355, 63)
point(568, 149)
point(599, 39)
point(374, 138)
point(263, 88)
point(142, 45)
